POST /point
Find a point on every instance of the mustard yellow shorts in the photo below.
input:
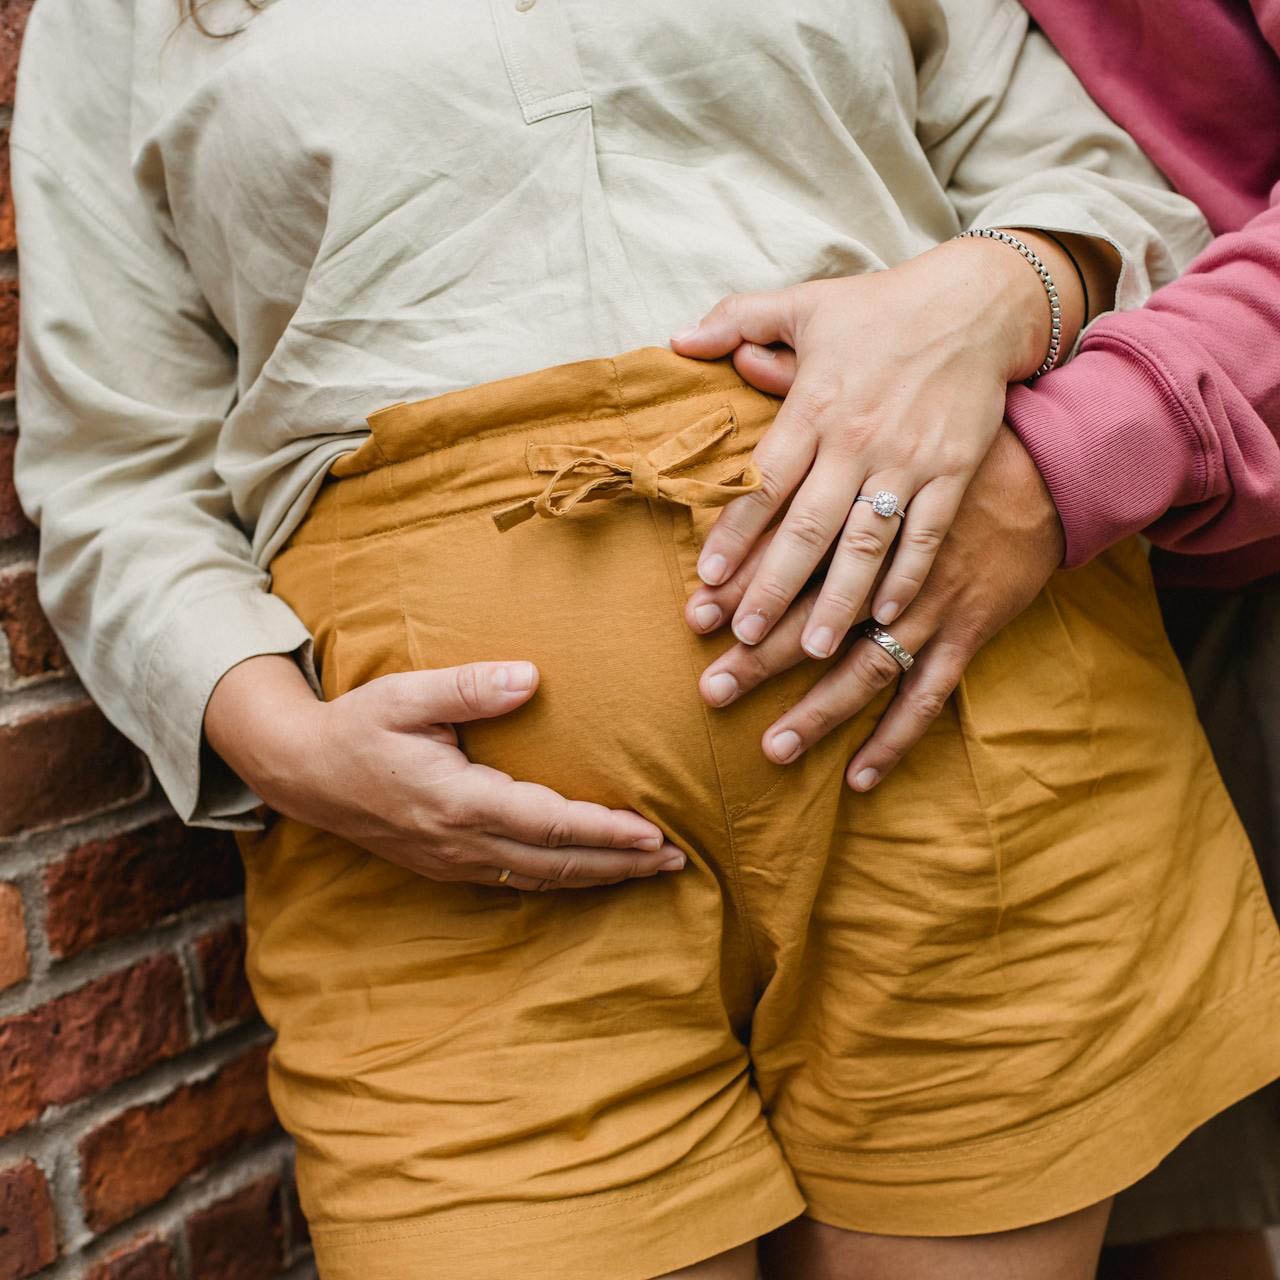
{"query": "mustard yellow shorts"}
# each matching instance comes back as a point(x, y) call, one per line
point(996, 989)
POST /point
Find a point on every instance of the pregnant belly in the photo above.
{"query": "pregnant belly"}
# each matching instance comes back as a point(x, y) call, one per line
point(595, 600)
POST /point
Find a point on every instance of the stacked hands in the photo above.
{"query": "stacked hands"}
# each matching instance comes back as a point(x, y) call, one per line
point(893, 381)
point(892, 386)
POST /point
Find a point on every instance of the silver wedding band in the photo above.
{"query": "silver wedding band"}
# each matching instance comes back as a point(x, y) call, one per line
point(901, 655)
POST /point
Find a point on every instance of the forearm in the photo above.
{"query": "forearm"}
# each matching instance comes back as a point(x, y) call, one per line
point(1168, 420)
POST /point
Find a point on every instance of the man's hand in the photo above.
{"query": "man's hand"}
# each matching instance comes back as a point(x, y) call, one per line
point(1004, 546)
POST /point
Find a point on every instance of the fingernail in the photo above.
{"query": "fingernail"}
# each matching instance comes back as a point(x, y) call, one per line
point(765, 353)
point(786, 745)
point(713, 570)
point(673, 864)
point(708, 616)
point(722, 687)
point(820, 643)
point(650, 844)
point(683, 335)
point(515, 678)
point(886, 613)
point(865, 779)
point(751, 628)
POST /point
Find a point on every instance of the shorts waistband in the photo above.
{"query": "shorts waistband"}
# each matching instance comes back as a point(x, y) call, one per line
point(648, 421)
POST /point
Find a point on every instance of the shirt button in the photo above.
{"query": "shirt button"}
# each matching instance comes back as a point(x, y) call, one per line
point(523, 6)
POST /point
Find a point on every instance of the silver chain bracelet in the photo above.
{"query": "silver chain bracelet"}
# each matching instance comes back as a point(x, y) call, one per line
point(1055, 308)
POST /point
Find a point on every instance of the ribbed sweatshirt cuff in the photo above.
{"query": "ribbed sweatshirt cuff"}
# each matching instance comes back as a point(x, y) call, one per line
point(1113, 443)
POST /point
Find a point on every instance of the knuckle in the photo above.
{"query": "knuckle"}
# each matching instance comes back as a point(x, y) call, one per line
point(555, 831)
point(570, 868)
point(466, 681)
point(752, 667)
point(808, 530)
point(767, 496)
point(862, 543)
point(924, 541)
point(456, 812)
point(817, 720)
point(839, 601)
point(450, 855)
point(770, 597)
point(817, 398)
point(726, 308)
point(874, 667)
point(928, 702)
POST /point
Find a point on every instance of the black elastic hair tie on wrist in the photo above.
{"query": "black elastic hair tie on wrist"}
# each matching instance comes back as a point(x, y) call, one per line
point(1083, 286)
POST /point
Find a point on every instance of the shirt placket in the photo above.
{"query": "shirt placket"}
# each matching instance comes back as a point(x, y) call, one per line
point(540, 56)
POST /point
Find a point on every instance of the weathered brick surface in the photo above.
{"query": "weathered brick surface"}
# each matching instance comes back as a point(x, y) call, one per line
point(8, 237)
point(12, 520)
point(109, 888)
point(239, 1238)
point(28, 1238)
point(63, 764)
point(90, 1038)
point(14, 962)
point(220, 957)
point(136, 1158)
point(147, 1258)
point(33, 648)
point(8, 331)
point(13, 22)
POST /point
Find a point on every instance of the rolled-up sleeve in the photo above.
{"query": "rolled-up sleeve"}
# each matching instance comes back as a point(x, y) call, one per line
point(1017, 141)
point(124, 379)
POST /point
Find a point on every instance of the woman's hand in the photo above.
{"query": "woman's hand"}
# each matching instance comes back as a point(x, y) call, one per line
point(899, 385)
point(1004, 546)
point(380, 766)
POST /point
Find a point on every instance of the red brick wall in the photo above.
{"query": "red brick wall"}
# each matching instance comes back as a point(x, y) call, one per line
point(136, 1138)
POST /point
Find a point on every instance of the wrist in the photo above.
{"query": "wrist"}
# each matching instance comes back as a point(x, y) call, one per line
point(262, 719)
point(1008, 302)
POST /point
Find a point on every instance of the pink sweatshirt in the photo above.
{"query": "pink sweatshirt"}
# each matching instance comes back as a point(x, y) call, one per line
point(1168, 419)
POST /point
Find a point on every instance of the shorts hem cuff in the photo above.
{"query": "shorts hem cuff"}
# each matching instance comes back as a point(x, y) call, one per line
point(661, 1225)
point(1049, 1170)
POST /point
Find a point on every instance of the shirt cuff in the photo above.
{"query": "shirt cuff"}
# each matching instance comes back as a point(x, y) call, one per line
point(1113, 443)
point(1065, 215)
point(206, 638)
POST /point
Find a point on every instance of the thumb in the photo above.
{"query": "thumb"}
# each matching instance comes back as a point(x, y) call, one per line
point(768, 369)
point(415, 700)
point(741, 317)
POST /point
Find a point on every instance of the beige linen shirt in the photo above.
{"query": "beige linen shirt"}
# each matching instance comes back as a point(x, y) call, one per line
point(232, 251)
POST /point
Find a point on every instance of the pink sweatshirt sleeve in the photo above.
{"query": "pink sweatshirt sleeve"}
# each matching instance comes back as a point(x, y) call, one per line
point(1168, 419)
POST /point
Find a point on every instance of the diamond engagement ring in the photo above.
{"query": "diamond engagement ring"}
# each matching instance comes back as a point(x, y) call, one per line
point(883, 503)
point(903, 657)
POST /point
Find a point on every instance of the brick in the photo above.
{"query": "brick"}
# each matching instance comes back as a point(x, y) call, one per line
point(8, 330)
point(220, 957)
point(8, 234)
point(136, 1158)
point(28, 1239)
point(13, 523)
point(146, 1258)
point(14, 963)
point(114, 887)
point(33, 648)
point(63, 764)
point(90, 1038)
point(13, 22)
point(239, 1238)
